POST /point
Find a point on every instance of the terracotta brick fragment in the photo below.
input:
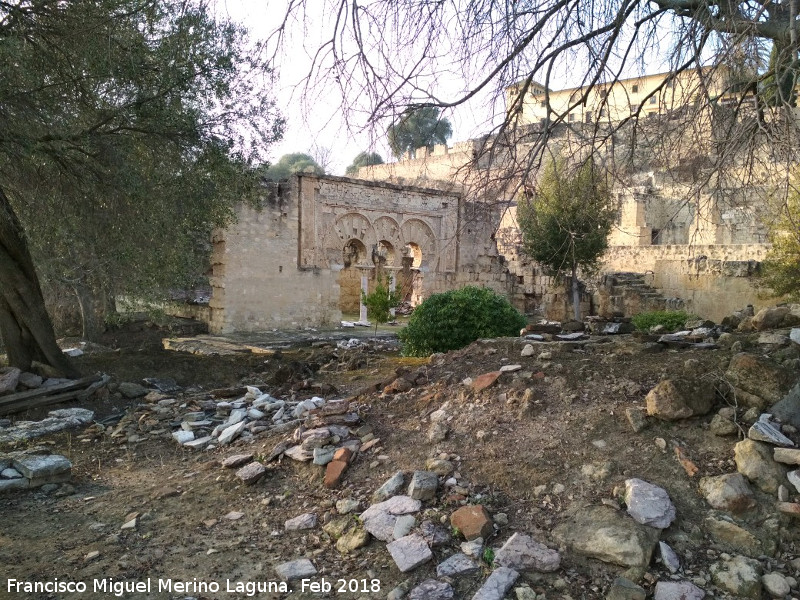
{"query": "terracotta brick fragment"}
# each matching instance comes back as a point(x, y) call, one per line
point(472, 521)
point(334, 472)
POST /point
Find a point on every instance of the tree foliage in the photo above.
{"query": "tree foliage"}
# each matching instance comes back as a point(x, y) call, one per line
point(128, 130)
point(294, 162)
point(781, 269)
point(453, 319)
point(364, 159)
point(418, 128)
point(380, 301)
point(566, 220)
point(494, 56)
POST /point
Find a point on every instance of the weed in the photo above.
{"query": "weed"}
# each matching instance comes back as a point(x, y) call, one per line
point(670, 319)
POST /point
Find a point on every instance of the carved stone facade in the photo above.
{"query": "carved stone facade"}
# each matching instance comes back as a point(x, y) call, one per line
point(299, 260)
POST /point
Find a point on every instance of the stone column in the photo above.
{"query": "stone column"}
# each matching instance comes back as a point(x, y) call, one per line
point(362, 308)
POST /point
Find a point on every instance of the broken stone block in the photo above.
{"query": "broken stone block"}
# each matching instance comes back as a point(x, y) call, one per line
point(729, 492)
point(389, 488)
point(678, 590)
point(231, 433)
point(458, 564)
point(649, 504)
point(409, 552)
point(352, 540)
point(431, 589)
point(305, 521)
point(7, 485)
point(625, 589)
point(523, 553)
point(251, 473)
point(9, 377)
point(42, 467)
point(236, 460)
point(296, 569)
point(181, 436)
point(497, 585)
point(334, 471)
point(754, 461)
point(481, 382)
point(764, 431)
point(787, 456)
point(423, 485)
point(472, 521)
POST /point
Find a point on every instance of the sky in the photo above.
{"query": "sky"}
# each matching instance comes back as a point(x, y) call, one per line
point(322, 127)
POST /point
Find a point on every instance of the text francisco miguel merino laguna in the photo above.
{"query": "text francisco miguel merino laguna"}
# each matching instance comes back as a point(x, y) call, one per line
point(250, 588)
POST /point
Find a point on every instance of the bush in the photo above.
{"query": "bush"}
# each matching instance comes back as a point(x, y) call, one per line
point(454, 319)
point(670, 319)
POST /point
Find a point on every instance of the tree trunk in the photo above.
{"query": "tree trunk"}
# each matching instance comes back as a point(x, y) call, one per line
point(25, 326)
point(576, 295)
point(91, 307)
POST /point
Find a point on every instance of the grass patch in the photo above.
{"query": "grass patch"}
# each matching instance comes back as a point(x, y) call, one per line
point(670, 319)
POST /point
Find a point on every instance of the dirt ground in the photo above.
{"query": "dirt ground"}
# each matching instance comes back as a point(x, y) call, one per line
point(568, 446)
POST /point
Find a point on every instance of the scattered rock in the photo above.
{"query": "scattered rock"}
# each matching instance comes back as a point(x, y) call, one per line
point(304, 521)
point(431, 589)
point(423, 485)
point(497, 585)
point(523, 553)
point(347, 505)
point(236, 460)
point(648, 504)
point(754, 461)
point(608, 535)
point(739, 575)
point(481, 382)
point(729, 492)
point(637, 418)
point(390, 488)
point(251, 473)
point(9, 378)
point(764, 430)
point(668, 557)
point(776, 585)
point(296, 569)
point(352, 540)
point(720, 426)
point(132, 390)
point(787, 456)
point(458, 564)
point(678, 590)
point(409, 552)
point(761, 380)
point(625, 589)
point(680, 398)
point(230, 433)
point(472, 521)
point(731, 536)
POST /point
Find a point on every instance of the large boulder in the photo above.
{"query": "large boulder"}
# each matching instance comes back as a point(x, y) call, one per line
point(787, 409)
point(729, 492)
point(756, 381)
point(755, 461)
point(680, 398)
point(608, 535)
point(770, 317)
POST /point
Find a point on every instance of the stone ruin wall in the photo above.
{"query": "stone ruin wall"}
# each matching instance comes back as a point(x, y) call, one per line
point(299, 259)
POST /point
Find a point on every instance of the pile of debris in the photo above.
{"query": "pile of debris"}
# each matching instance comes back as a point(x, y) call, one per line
point(33, 469)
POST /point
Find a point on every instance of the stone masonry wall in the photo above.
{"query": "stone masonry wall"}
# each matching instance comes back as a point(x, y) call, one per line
point(256, 282)
point(713, 280)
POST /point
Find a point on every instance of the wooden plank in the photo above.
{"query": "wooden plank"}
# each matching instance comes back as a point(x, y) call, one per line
point(53, 389)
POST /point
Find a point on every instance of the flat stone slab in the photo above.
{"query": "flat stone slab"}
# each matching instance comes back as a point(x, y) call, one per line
point(251, 473)
point(296, 569)
point(409, 552)
point(497, 585)
point(305, 521)
point(236, 460)
point(231, 433)
point(523, 553)
point(458, 564)
point(41, 467)
point(678, 590)
point(431, 589)
point(788, 456)
point(198, 443)
point(390, 487)
point(59, 420)
point(396, 505)
point(764, 431)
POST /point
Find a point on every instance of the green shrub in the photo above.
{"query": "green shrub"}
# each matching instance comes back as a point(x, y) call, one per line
point(454, 319)
point(670, 319)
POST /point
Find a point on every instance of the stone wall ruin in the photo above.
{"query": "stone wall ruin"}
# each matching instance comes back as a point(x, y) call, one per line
point(298, 260)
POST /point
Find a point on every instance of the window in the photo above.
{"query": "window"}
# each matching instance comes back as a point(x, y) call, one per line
point(571, 117)
point(602, 112)
point(635, 89)
point(634, 108)
point(652, 99)
point(588, 118)
point(655, 237)
point(603, 94)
